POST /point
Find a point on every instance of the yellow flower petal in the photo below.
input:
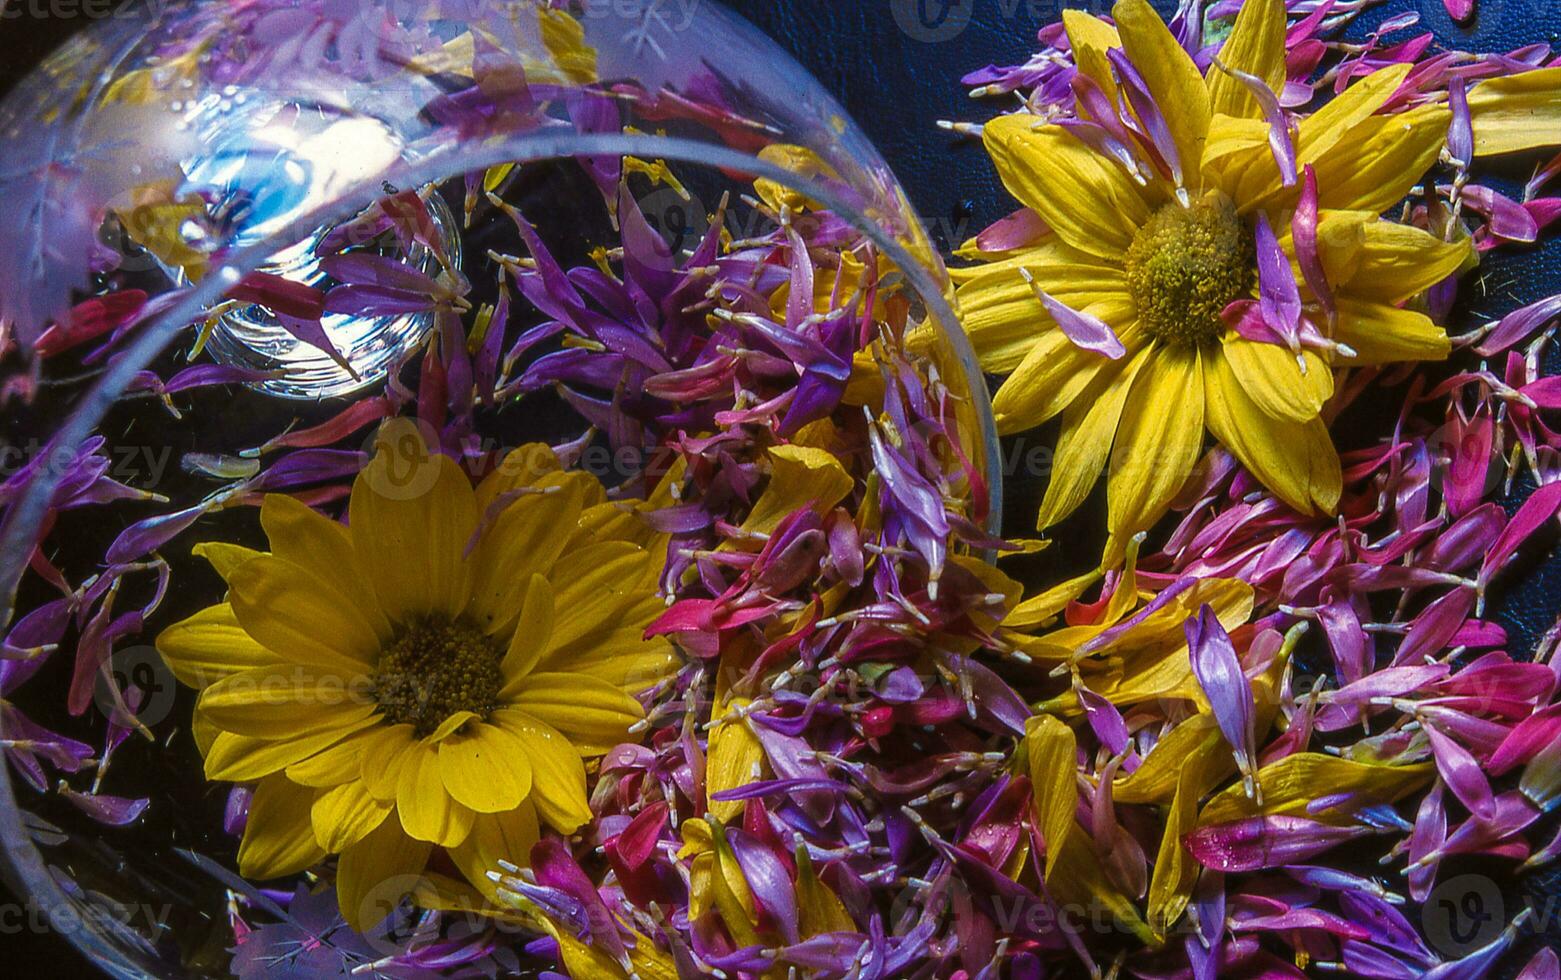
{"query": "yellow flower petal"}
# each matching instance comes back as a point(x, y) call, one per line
point(1256, 46)
point(526, 540)
point(593, 589)
point(485, 769)
point(1296, 461)
point(1175, 870)
point(224, 557)
point(1290, 788)
point(1397, 262)
point(426, 809)
point(300, 617)
point(412, 513)
point(1382, 334)
point(1516, 113)
point(1041, 610)
point(1089, 426)
point(1002, 316)
point(800, 476)
point(1053, 375)
point(209, 646)
point(533, 631)
point(1157, 780)
point(1158, 443)
point(622, 658)
point(1172, 77)
point(340, 763)
point(322, 547)
point(277, 839)
point(557, 772)
point(1271, 377)
point(245, 759)
point(377, 872)
point(345, 815)
point(591, 713)
point(1052, 750)
point(283, 701)
point(383, 754)
point(1381, 160)
point(1086, 199)
point(734, 760)
point(507, 836)
point(526, 466)
point(1090, 38)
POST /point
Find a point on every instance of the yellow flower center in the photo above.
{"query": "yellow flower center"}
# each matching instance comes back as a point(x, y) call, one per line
point(434, 668)
point(1186, 265)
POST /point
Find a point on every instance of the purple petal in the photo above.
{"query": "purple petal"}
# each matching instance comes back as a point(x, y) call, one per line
point(1086, 330)
point(1218, 670)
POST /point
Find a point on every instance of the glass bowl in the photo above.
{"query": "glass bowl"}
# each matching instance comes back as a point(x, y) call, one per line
point(191, 191)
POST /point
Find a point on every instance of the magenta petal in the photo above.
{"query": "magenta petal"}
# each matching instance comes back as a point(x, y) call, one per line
point(1218, 670)
point(1539, 510)
point(1258, 843)
point(1023, 227)
point(1545, 965)
point(1462, 773)
point(1087, 331)
point(1303, 228)
point(1279, 297)
point(1516, 326)
point(1459, 10)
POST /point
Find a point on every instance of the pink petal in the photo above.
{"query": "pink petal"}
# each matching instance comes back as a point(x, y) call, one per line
point(1087, 331)
point(1462, 773)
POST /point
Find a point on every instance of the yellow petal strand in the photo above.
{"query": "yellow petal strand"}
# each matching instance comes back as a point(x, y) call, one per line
point(1273, 379)
point(1051, 377)
point(533, 632)
point(413, 512)
point(383, 756)
point(245, 759)
point(377, 872)
point(1090, 38)
point(1156, 781)
point(1256, 46)
point(557, 772)
point(1052, 750)
point(426, 809)
point(1320, 133)
point(1290, 788)
point(818, 909)
point(507, 836)
point(1158, 443)
point(277, 839)
point(345, 815)
point(1516, 113)
point(1297, 462)
point(1381, 160)
point(486, 769)
point(1172, 77)
point(283, 702)
point(526, 540)
point(209, 646)
point(300, 617)
point(1089, 426)
point(1086, 199)
point(1397, 262)
point(1382, 334)
point(800, 476)
point(322, 547)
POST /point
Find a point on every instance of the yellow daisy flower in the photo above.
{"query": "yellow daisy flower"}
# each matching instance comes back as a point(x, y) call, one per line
point(1159, 254)
point(436, 676)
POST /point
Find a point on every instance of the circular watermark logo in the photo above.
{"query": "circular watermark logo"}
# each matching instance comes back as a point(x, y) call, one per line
point(1463, 914)
point(681, 222)
point(932, 21)
point(148, 687)
point(404, 465)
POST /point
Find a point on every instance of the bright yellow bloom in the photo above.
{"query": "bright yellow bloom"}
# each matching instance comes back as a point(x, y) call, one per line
point(1158, 263)
point(436, 676)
